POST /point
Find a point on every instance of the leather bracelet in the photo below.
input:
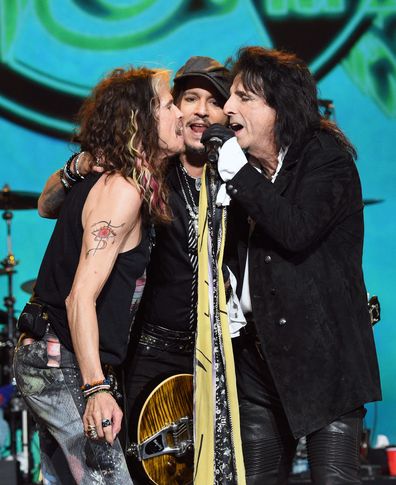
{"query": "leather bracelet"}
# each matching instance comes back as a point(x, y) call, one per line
point(107, 391)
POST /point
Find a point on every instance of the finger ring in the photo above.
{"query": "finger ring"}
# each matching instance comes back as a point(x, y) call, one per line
point(105, 423)
point(91, 427)
point(92, 434)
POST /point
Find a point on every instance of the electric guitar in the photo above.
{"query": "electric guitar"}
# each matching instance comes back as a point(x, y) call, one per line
point(165, 432)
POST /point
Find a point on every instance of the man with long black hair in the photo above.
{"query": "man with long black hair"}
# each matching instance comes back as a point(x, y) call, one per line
point(306, 361)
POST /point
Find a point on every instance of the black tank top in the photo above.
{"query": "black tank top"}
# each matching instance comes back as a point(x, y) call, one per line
point(167, 297)
point(119, 299)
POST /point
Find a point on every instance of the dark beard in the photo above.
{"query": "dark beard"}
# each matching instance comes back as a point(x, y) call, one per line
point(195, 156)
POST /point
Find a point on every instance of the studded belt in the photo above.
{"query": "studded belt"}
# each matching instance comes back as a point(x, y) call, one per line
point(161, 338)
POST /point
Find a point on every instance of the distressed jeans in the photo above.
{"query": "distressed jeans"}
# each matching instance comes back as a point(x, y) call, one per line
point(49, 380)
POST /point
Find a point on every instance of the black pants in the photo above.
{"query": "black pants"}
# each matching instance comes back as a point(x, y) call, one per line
point(268, 444)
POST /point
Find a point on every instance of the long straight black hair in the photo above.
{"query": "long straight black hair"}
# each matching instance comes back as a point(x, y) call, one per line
point(287, 85)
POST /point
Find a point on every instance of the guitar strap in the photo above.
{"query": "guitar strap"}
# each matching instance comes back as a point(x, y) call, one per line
point(218, 455)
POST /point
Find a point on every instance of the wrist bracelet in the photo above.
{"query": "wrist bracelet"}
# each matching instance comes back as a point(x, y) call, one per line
point(67, 177)
point(65, 183)
point(76, 162)
point(88, 386)
point(95, 389)
point(107, 391)
point(69, 174)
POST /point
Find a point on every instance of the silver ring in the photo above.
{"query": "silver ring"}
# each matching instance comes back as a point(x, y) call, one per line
point(91, 427)
point(92, 434)
point(106, 422)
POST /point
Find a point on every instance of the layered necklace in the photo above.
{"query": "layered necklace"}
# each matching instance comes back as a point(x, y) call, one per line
point(191, 206)
point(192, 236)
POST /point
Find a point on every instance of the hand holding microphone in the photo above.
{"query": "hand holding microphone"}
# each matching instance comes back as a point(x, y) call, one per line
point(223, 149)
point(213, 138)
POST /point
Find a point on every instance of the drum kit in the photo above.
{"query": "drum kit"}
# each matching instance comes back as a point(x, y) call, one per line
point(12, 404)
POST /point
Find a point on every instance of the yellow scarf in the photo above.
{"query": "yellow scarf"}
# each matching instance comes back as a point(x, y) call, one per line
point(216, 414)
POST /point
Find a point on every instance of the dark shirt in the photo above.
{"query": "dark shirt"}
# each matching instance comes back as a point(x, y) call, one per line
point(167, 296)
point(118, 301)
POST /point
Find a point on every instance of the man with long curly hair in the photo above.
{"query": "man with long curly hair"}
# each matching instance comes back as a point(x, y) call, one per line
point(76, 326)
point(306, 361)
point(166, 323)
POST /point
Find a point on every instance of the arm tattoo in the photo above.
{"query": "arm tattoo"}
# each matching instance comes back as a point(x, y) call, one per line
point(103, 233)
point(54, 198)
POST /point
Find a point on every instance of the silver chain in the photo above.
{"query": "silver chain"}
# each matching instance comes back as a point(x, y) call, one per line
point(192, 209)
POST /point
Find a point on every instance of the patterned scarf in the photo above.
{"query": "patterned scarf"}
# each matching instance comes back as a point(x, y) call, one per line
point(218, 456)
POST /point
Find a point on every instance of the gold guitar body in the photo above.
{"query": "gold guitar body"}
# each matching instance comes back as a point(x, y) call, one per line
point(165, 424)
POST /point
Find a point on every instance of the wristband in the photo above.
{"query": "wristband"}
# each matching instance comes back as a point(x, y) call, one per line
point(62, 177)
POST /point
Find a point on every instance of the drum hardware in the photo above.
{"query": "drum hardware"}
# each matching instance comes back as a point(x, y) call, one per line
point(4, 317)
point(12, 200)
point(5, 271)
point(9, 201)
point(372, 201)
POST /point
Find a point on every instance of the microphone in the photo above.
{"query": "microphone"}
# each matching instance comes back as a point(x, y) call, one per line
point(212, 148)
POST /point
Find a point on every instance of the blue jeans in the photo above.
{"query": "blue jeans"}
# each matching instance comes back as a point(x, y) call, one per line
point(49, 380)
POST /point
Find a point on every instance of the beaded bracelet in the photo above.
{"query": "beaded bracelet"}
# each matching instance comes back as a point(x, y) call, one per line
point(68, 173)
point(88, 386)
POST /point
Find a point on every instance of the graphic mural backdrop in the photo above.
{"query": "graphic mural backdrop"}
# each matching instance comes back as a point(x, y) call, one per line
point(53, 51)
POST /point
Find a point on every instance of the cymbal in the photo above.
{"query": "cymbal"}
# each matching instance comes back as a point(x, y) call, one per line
point(15, 199)
point(28, 286)
point(372, 201)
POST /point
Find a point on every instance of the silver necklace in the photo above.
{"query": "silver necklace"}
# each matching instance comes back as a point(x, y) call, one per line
point(197, 180)
point(198, 184)
point(192, 209)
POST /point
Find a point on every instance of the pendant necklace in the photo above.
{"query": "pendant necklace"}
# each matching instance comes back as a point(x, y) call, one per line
point(198, 184)
point(192, 208)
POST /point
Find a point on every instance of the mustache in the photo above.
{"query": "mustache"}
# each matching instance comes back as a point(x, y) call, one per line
point(199, 121)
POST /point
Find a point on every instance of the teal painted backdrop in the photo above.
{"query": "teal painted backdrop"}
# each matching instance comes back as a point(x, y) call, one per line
point(53, 51)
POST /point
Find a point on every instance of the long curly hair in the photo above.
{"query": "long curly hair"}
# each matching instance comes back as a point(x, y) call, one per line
point(118, 125)
point(287, 86)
